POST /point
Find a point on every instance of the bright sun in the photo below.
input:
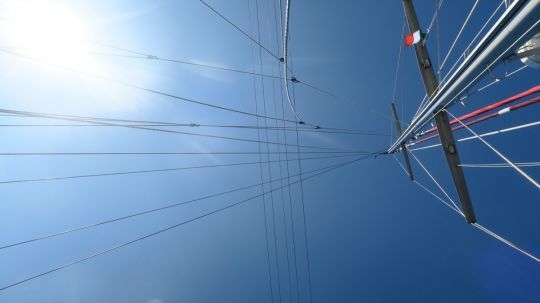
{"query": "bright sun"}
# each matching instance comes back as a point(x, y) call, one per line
point(47, 32)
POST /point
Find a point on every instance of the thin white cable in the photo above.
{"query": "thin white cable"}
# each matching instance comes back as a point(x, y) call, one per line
point(439, 198)
point(498, 80)
point(398, 63)
point(435, 16)
point(519, 170)
point(482, 228)
point(421, 106)
point(473, 9)
point(425, 188)
point(492, 133)
point(463, 54)
point(436, 183)
point(478, 226)
point(401, 165)
point(501, 165)
point(503, 240)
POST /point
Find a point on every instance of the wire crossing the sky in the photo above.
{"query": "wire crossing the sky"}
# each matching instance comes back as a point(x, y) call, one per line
point(62, 117)
point(93, 225)
point(150, 235)
point(133, 172)
point(239, 29)
point(148, 90)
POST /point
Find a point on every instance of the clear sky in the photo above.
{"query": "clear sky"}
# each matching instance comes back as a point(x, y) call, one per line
point(372, 235)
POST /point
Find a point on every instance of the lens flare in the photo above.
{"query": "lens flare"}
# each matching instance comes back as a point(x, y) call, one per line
point(47, 32)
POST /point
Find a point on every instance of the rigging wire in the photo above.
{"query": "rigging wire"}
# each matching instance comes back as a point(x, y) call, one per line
point(436, 183)
point(438, 42)
point(398, 63)
point(62, 117)
point(133, 86)
point(487, 108)
point(239, 29)
point(519, 170)
point(150, 235)
point(435, 16)
point(147, 56)
point(133, 172)
point(291, 214)
point(185, 62)
point(497, 132)
point(267, 240)
point(303, 207)
point(217, 67)
point(473, 9)
point(192, 124)
point(463, 55)
point(263, 95)
point(503, 240)
point(198, 125)
point(496, 80)
point(477, 225)
point(145, 212)
point(501, 165)
point(486, 69)
point(156, 153)
point(466, 50)
point(150, 57)
point(488, 117)
point(285, 231)
point(470, 94)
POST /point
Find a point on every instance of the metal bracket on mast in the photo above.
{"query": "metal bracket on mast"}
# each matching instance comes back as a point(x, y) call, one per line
point(443, 124)
point(403, 147)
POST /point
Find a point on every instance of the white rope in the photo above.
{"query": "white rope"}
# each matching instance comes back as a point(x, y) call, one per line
point(501, 165)
point(519, 170)
point(436, 183)
point(492, 133)
point(475, 5)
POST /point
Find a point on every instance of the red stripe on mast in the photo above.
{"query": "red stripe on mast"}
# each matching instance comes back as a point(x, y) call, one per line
point(493, 106)
point(484, 118)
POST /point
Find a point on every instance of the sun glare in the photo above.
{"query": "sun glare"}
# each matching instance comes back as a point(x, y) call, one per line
point(47, 32)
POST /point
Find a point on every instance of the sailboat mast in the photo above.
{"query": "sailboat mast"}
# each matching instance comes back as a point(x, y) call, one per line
point(443, 124)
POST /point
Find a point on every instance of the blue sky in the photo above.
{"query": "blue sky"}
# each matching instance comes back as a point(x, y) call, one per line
point(372, 235)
